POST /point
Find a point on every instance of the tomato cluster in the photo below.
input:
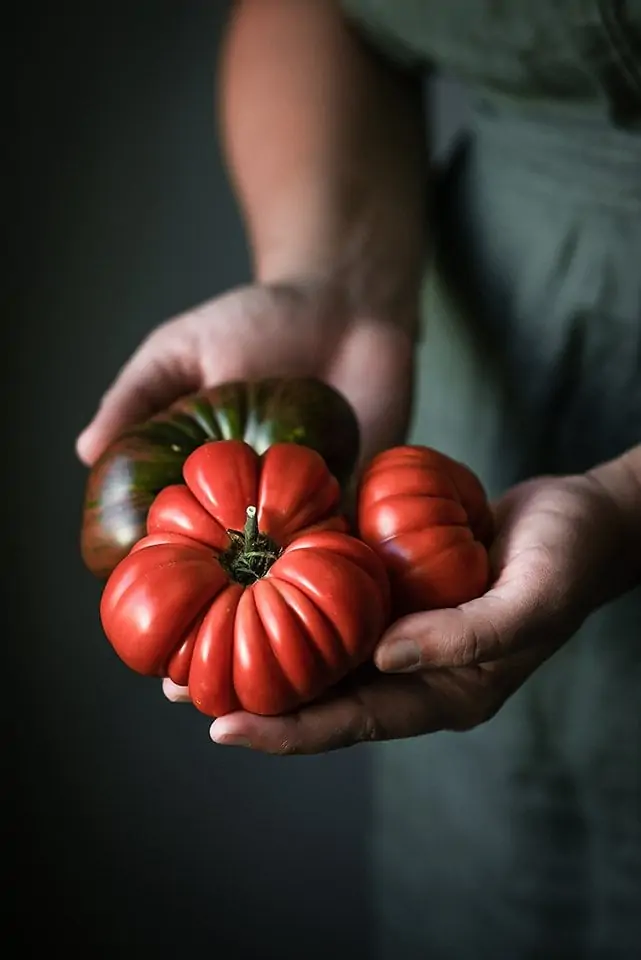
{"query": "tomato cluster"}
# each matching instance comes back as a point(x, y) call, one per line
point(247, 583)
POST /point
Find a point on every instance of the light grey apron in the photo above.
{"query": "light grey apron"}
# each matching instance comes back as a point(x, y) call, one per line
point(522, 839)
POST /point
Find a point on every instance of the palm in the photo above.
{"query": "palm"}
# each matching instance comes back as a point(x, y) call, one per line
point(259, 331)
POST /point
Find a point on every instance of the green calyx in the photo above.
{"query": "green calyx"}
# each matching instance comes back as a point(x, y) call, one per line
point(250, 553)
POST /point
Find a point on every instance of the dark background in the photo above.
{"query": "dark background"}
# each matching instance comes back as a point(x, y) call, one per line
point(129, 828)
point(127, 831)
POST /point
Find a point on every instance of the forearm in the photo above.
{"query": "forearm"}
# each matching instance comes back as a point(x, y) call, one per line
point(621, 478)
point(326, 154)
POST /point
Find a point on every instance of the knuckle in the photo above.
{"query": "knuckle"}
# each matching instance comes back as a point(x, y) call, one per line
point(479, 642)
point(543, 578)
point(473, 646)
point(286, 748)
point(369, 729)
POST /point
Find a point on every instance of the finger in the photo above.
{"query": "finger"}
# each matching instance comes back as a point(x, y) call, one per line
point(384, 709)
point(175, 693)
point(520, 610)
point(161, 370)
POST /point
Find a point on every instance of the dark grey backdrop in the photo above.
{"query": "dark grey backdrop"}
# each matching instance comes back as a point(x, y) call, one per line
point(131, 830)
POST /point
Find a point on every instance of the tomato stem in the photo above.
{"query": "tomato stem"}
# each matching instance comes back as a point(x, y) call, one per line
point(250, 553)
point(251, 529)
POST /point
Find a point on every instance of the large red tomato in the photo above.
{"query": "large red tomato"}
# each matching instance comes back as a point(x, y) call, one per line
point(428, 518)
point(247, 588)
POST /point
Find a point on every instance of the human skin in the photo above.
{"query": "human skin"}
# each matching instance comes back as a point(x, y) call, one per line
point(326, 153)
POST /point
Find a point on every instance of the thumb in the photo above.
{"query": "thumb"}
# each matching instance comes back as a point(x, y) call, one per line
point(520, 610)
point(159, 372)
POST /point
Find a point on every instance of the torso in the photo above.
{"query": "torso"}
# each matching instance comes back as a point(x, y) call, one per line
point(522, 839)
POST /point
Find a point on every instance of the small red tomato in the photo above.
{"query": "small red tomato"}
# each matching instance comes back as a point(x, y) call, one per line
point(247, 589)
point(428, 519)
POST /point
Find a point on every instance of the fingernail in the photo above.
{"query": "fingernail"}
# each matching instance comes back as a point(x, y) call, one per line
point(230, 740)
point(399, 656)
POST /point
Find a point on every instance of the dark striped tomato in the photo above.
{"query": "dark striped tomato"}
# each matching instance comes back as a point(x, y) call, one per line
point(149, 457)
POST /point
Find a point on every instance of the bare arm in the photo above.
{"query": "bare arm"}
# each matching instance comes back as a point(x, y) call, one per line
point(325, 146)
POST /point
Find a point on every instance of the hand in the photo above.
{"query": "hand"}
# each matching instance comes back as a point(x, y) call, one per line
point(301, 329)
point(555, 559)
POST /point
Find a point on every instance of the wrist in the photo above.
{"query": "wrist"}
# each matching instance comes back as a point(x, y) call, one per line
point(325, 145)
point(367, 271)
point(620, 480)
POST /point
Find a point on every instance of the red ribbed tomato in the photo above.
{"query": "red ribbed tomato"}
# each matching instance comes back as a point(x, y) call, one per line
point(247, 588)
point(428, 519)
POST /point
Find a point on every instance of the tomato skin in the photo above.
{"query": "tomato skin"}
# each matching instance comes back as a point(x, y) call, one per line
point(150, 456)
point(171, 607)
point(428, 518)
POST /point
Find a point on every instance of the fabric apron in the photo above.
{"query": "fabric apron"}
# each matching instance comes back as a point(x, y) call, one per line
point(522, 838)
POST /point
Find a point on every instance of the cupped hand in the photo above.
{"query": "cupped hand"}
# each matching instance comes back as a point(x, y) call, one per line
point(300, 329)
point(555, 559)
